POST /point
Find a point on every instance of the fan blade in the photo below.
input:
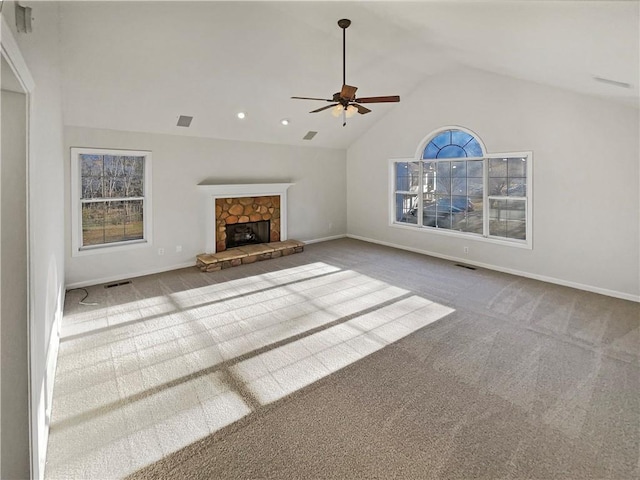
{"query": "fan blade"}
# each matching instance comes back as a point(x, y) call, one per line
point(362, 110)
point(311, 98)
point(391, 98)
point(348, 92)
point(322, 108)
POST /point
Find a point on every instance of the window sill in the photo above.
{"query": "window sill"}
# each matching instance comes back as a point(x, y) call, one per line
point(110, 248)
point(464, 235)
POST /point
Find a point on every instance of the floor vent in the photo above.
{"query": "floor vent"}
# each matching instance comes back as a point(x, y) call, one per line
point(117, 284)
point(468, 267)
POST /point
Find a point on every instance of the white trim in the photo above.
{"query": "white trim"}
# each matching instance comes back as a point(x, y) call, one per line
point(463, 235)
point(213, 192)
point(246, 189)
point(49, 379)
point(528, 243)
point(117, 278)
point(324, 239)
point(10, 51)
point(520, 273)
point(15, 59)
point(77, 250)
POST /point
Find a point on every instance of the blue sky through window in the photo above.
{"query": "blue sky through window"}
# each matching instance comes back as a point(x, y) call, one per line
point(452, 144)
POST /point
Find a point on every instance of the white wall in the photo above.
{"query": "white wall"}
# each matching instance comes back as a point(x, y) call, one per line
point(316, 203)
point(40, 50)
point(586, 205)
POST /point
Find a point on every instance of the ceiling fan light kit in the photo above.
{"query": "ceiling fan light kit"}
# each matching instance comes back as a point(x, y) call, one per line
point(345, 102)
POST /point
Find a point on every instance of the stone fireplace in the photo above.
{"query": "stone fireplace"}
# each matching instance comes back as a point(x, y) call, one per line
point(233, 210)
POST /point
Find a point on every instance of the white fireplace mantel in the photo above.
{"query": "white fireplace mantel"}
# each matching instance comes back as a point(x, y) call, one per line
point(213, 192)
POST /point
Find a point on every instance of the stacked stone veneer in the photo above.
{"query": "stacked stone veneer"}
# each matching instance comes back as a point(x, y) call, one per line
point(243, 210)
point(234, 257)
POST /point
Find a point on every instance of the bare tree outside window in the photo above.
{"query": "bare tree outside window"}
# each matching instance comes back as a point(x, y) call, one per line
point(112, 198)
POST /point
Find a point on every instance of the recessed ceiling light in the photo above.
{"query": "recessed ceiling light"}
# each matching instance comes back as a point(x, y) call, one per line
point(241, 115)
point(284, 121)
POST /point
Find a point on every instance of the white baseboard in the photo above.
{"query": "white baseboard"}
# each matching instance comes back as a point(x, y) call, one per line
point(324, 239)
point(116, 278)
point(45, 400)
point(534, 276)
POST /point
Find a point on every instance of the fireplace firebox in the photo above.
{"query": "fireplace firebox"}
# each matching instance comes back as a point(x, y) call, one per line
point(249, 233)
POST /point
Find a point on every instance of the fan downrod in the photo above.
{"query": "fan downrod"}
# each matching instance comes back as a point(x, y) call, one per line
point(344, 23)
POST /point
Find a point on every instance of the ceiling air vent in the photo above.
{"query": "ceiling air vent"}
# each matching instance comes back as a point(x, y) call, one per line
point(184, 121)
point(309, 135)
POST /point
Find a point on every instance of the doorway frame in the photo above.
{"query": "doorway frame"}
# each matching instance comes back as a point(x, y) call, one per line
point(10, 52)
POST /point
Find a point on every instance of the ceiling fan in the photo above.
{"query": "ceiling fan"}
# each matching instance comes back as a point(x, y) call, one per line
point(345, 102)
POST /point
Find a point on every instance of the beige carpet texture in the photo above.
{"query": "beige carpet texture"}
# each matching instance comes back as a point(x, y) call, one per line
point(347, 361)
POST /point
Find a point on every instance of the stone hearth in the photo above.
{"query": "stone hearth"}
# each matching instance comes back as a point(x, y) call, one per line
point(234, 257)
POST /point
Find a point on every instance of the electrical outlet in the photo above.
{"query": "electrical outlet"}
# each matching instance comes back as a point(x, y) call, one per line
point(161, 251)
point(466, 250)
point(178, 248)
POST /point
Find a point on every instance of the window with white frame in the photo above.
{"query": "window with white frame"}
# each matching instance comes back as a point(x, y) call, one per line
point(111, 199)
point(459, 188)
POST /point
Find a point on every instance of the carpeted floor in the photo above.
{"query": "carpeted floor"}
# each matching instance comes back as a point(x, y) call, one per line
point(443, 372)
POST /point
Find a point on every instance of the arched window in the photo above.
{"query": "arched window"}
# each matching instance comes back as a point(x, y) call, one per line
point(459, 187)
point(453, 143)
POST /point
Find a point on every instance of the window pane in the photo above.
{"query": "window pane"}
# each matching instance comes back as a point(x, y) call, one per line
point(123, 221)
point(470, 221)
point(517, 167)
point(473, 149)
point(497, 167)
point(431, 151)
point(428, 180)
point(443, 177)
point(507, 218)
point(498, 186)
point(475, 186)
point(443, 139)
point(474, 215)
point(474, 168)
point(516, 219)
point(406, 208)
point(134, 170)
point(91, 165)
point(108, 222)
point(123, 176)
point(91, 174)
point(133, 225)
point(93, 223)
point(517, 187)
point(407, 176)
point(459, 169)
point(458, 137)
point(459, 186)
point(452, 151)
point(91, 187)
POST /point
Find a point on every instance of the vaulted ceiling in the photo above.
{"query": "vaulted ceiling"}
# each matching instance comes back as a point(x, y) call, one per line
point(139, 65)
